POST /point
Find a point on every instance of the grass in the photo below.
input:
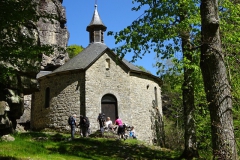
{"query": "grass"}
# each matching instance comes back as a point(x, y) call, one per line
point(55, 146)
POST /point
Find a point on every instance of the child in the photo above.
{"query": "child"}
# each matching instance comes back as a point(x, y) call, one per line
point(132, 133)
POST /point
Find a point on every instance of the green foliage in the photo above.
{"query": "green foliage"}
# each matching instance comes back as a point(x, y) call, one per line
point(167, 28)
point(20, 49)
point(173, 112)
point(158, 29)
point(143, 69)
point(73, 50)
point(203, 131)
point(54, 146)
point(236, 121)
point(230, 33)
point(172, 129)
point(171, 88)
point(161, 28)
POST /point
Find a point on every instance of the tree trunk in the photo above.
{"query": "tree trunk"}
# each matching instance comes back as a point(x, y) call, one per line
point(190, 141)
point(216, 84)
point(190, 149)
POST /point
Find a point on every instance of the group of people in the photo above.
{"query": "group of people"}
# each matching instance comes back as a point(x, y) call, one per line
point(121, 129)
point(84, 125)
point(119, 125)
point(104, 124)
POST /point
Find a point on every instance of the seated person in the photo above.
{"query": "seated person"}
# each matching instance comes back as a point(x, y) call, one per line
point(132, 133)
point(109, 124)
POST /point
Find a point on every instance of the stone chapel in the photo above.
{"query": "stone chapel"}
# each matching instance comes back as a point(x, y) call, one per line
point(96, 82)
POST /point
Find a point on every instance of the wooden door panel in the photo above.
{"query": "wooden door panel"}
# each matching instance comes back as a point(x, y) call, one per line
point(109, 110)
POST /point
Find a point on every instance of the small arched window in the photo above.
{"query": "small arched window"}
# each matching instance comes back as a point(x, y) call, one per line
point(47, 97)
point(107, 64)
point(155, 92)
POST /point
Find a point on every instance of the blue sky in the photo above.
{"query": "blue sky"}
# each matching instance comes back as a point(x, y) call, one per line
point(115, 14)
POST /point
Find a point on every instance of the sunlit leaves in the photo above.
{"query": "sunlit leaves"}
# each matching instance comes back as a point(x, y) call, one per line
point(158, 30)
point(73, 50)
point(230, 35)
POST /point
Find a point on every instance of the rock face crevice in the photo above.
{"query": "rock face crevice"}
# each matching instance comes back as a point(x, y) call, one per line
point(15, 99)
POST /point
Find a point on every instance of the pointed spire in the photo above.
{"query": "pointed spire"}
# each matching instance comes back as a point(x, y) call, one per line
point(96, 28)
point(96, 20)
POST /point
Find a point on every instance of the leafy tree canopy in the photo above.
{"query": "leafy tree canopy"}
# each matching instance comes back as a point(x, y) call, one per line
point(143, 69)
point(73, 50)
point(159, 28)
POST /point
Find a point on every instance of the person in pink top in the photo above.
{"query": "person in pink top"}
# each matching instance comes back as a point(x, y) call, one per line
point(118, 121)
point(120, 130)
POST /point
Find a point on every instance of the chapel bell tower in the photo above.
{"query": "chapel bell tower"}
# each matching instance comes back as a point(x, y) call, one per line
point(96, 28)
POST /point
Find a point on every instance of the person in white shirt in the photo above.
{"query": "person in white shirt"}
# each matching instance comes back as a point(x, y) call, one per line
point(109, 124)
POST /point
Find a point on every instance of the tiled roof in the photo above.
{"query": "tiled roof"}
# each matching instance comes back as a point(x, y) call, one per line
point(84, 58)
point(87, 57)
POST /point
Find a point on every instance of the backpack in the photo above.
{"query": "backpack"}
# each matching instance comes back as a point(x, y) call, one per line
point(101, 119)
point(87, 123)
point(84, 122)
point(71, 120)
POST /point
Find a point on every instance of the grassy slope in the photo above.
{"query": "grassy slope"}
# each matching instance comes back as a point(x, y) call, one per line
point(42, 146)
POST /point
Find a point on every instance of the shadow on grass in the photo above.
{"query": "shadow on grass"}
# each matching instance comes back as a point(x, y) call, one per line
point(32, 135)
point(12, 158)
point(8, 158)
point(92, 148)
point(56, 137)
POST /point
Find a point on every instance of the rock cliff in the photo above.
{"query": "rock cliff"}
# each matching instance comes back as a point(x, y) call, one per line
point(14, 101)
point(54, 32)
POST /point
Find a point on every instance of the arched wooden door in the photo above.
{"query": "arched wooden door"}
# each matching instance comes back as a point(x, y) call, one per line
point(109, 106)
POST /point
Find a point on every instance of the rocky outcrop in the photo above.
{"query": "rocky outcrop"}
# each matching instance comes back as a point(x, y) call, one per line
point(25, 119)
point(14, 106)
point(53, 32)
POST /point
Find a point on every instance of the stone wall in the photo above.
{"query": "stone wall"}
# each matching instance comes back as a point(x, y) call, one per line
point(65, 100)
point(142, 97)
point(135, 94)
point(101, 81)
